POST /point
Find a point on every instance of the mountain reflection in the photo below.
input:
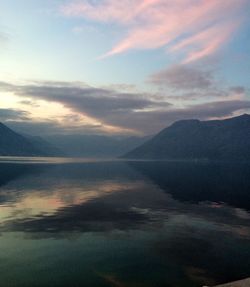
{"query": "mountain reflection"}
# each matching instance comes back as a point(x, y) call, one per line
point(186, 215)
point(106, 196)
point(197, 182)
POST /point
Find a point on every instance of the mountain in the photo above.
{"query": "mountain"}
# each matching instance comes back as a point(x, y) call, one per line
point(94, 145)
point(44, 146)
point(193, 139)
point(14, 144)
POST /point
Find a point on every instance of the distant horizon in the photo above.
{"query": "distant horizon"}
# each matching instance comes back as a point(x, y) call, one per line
point(120, 136)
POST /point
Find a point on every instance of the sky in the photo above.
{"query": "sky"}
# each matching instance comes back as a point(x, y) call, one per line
point(128, 67)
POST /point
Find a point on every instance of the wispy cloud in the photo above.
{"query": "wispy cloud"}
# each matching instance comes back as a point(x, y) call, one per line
point(194, 82)
point(197, 28)
point(136, 112)
point(13, 114)
point(4, 38)
point(183, 77)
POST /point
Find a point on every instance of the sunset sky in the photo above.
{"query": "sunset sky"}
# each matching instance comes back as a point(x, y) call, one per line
point(121, 67)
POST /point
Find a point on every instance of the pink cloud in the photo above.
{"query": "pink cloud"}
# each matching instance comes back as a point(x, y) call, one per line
point(197, 28)
point(206, 42)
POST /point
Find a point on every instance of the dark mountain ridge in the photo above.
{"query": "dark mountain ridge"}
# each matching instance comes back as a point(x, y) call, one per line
point(227, 139)
point(14, 144)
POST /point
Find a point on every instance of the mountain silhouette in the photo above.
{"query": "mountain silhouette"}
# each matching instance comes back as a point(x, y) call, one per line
point(14, 144)
point(193, 139)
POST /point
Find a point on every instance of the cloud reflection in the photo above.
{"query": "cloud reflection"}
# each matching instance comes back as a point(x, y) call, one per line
point(143, 204)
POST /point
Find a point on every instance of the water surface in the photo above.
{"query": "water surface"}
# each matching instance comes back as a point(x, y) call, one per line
point(114, 223)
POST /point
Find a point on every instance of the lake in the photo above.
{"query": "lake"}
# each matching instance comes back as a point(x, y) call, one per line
point(115, 223)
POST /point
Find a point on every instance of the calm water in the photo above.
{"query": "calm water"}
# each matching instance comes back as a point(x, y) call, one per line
point(123, 223)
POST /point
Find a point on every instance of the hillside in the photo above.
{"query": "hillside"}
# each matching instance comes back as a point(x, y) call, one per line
point(193, 139)
point(14, 144)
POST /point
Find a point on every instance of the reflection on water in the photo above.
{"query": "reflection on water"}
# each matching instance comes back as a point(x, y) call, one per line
point(123, 223)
